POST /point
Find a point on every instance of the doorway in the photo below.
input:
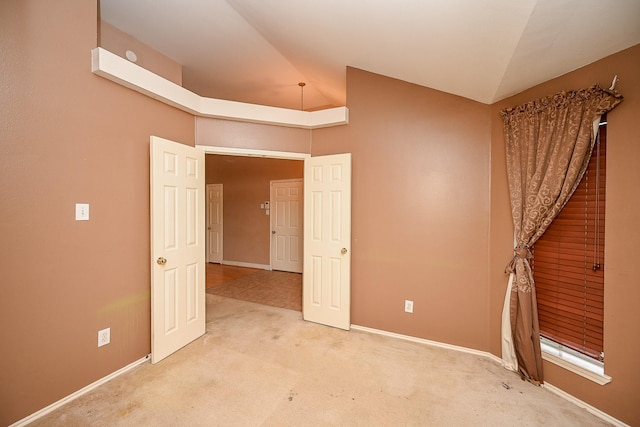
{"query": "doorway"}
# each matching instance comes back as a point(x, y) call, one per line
point(327, 239)
point(249, 209)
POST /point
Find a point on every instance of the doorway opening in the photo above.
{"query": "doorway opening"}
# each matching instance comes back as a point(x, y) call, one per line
point(247, 268)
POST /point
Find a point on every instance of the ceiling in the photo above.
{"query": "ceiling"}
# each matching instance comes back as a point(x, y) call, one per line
point(257, 51)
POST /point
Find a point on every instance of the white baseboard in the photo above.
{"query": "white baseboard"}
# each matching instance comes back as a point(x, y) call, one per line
point(595, 411)
point(247, 264)
point(44, 411)
point(429, 342)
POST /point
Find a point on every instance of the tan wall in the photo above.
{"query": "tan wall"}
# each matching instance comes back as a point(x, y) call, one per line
point(224, 133)
point(118, 42)
point(420, 208)
point(430, 210)
point(68, 136)
point(622, 277)
point(246, 183)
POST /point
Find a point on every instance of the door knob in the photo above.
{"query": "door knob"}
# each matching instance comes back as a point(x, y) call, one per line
point(273, 231)
point(343, 251)
point(161, 261)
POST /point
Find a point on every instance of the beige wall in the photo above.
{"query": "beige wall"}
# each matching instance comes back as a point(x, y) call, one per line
point(622, 278)
point(225, 133)
point(420, 208)
point(430, 210)
point(119, 42)
point(68, 136)
point(246, 183)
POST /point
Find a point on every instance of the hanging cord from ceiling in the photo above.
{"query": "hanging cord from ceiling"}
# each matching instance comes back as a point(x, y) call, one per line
point(302, 85)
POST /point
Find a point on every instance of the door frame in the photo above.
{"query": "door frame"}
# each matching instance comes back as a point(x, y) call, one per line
point(249, 152)
point(208, 217)
point(231, 151)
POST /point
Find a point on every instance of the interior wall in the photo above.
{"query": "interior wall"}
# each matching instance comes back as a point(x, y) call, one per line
point(256, 136)
point(118, 42)
point(246, 184)
point(430, 210)
point(420, 208)
point(69, 137)
point(622, 278)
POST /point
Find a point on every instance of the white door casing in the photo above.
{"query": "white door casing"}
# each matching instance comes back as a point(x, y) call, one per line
point(327, 240)
point(286, 225)
point(177, 246)
point(214, 222)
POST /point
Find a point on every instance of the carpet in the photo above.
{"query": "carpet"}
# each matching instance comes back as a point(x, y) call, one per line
point(274, 288)
point(264, 366)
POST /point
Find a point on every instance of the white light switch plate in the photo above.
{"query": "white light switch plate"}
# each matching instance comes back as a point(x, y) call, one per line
point(82, 212)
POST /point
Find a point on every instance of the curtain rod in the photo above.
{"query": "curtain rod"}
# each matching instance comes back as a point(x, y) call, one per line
point(614, 82)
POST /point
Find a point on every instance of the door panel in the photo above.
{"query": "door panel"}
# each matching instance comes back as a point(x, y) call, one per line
point(286, 225)
point(177, 246)
point(327, 240)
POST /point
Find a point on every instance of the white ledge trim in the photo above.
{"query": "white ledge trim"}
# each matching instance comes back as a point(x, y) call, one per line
point(119, 70)
point(576, 369)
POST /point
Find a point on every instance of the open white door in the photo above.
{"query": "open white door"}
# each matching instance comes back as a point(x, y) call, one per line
point(326, 280)
point(177, 246)
point(214, 223)
point(286, 225)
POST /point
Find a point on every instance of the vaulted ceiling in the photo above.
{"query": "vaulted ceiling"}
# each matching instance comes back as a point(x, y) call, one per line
point(257, 51)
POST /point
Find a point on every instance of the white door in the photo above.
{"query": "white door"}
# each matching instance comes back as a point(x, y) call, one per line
point(286, 225)
point(326, 280)
point(214, 223)
point(177, 246)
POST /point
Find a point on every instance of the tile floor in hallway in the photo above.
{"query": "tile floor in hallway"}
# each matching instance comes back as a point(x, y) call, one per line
point(274, 288)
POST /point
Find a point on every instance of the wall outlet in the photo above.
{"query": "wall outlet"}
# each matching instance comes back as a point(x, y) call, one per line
point(408, 306)
point(104, 337)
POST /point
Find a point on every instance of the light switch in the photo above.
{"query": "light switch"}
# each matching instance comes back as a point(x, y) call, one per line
point(82, 211)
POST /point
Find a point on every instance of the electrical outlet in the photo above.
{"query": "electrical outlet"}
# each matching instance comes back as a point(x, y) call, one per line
point(408, 306)
point(104, 337)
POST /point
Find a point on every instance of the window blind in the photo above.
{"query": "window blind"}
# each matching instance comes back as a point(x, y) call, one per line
point(568, 264)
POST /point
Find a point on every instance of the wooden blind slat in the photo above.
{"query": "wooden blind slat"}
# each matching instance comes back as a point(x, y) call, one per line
point(570, 293)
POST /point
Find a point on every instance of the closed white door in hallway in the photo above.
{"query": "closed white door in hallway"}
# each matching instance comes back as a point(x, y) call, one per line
point(286, 225)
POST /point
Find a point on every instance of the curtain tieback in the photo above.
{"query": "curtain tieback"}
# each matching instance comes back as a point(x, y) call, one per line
point(522, 252)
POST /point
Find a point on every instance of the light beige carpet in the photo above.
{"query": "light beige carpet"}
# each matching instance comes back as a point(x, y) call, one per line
point(264, 366)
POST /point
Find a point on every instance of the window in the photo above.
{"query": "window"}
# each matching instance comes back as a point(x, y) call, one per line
point(568, 264)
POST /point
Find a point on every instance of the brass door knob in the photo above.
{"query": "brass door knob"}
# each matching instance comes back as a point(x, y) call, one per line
point(343, 251)
point(161, 261)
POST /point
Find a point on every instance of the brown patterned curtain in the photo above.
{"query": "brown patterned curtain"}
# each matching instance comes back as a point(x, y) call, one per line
point(548, 145)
